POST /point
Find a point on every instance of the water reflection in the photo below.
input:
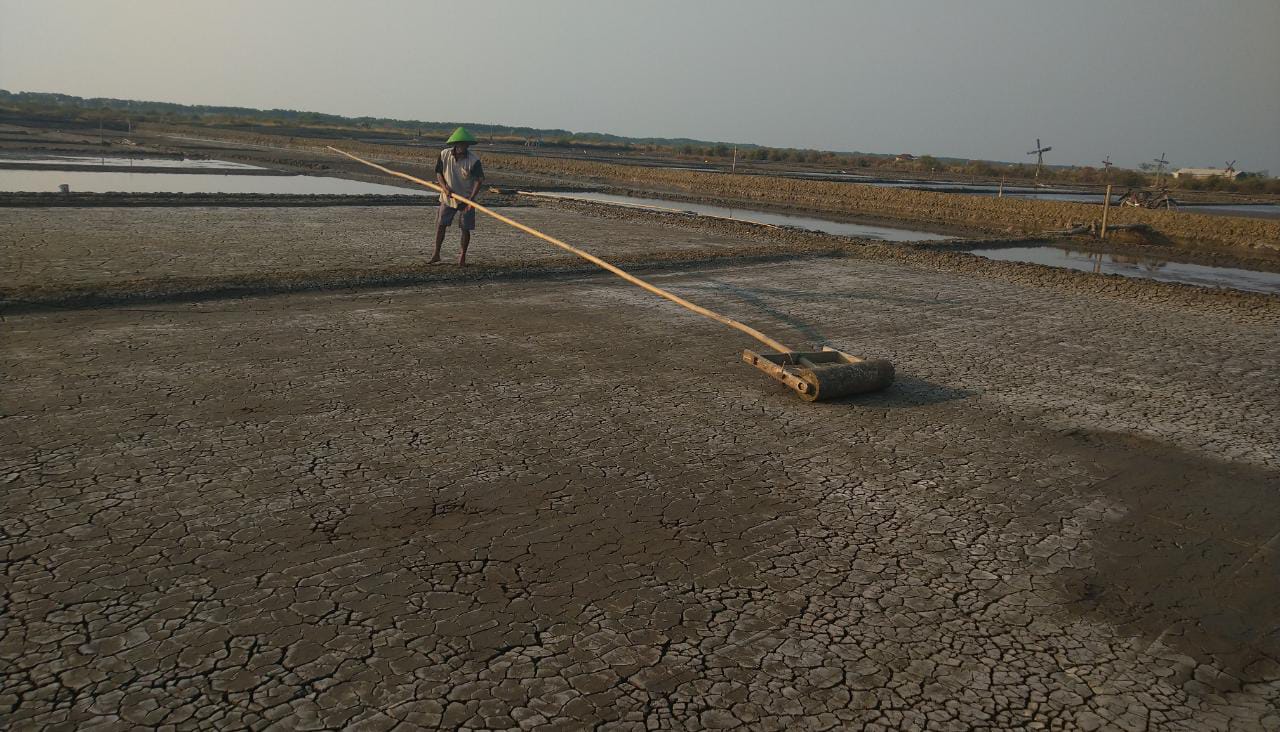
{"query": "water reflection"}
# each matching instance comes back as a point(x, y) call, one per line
point(35, 181)
point(118, 161)
point(1140, 266)
point(1251, 211)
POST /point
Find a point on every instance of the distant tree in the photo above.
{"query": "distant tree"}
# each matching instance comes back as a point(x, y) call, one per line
point(980, 168)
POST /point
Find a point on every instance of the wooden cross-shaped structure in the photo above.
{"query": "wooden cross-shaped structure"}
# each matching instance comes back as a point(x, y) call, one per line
point(1039, 153)
point(1160, 163)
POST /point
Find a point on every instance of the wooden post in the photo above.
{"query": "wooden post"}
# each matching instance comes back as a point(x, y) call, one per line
point(1106, 206)
point(1000, 193)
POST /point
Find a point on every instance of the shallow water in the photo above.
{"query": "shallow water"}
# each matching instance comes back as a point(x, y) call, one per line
point(94, 182)
point(1254, 211)
point(1144, 267)
point(127, 162)
point(1074, 197)
point(841, 228)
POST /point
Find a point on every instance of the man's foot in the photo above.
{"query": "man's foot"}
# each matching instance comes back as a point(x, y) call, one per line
point(434, 260)
point(462, 262)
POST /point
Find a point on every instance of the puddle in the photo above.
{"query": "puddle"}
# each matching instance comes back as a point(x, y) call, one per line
point(1075, 197)
point(842, 228)
point(128, 162)
point(1151, 268)
point(1250, 211)
point(93, 182)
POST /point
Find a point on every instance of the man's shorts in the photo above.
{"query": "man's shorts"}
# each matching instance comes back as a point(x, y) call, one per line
point(466, 223)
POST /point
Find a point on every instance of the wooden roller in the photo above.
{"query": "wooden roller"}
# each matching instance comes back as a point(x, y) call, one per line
point(825, 374)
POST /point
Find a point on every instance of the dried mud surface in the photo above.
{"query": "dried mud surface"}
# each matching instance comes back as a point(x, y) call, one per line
point(489, 497)
point(564, 504)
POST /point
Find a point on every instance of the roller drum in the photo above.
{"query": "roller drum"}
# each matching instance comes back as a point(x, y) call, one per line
point(832, 381)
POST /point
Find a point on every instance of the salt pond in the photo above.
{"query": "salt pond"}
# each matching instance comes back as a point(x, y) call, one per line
point(117, 182)
point(1144, 267)
point(118, 161)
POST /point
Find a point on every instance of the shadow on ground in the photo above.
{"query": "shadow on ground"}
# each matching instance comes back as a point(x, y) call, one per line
point(1192, 557)
point(906, 391)
point(767, 300)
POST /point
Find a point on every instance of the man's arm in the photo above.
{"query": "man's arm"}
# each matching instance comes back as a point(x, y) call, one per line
point(441, 181)
point(478, 171)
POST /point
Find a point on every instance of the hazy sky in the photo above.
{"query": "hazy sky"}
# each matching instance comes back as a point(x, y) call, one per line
point(1197, 79)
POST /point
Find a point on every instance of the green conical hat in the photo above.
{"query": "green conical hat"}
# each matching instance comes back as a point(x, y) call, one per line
point(461, 135)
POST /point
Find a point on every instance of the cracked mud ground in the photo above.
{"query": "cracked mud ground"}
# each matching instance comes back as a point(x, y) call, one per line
point(562, 503)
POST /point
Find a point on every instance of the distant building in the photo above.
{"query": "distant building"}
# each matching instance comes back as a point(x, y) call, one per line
point(1227, 173)
point(905, 158)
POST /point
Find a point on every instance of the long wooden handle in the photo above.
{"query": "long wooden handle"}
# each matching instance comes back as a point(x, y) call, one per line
point(771, 343)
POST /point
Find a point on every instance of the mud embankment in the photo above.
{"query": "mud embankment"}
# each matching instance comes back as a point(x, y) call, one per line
point(37, 298)
point(1012, 215)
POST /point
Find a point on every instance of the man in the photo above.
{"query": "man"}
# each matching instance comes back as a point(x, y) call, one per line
point(458, 170)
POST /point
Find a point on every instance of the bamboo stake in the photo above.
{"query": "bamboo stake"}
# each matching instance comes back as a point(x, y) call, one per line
point(742, 327)
point(1106, 206)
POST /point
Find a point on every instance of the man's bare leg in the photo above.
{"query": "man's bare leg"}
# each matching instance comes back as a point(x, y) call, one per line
point(440, 232)
point(466, 240)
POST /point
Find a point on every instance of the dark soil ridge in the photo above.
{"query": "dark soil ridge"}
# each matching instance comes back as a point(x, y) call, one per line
point(182, 289)
point(1240, 305)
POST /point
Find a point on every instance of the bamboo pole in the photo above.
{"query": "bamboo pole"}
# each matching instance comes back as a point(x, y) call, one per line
point(1106, 207)
point(742, 327)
